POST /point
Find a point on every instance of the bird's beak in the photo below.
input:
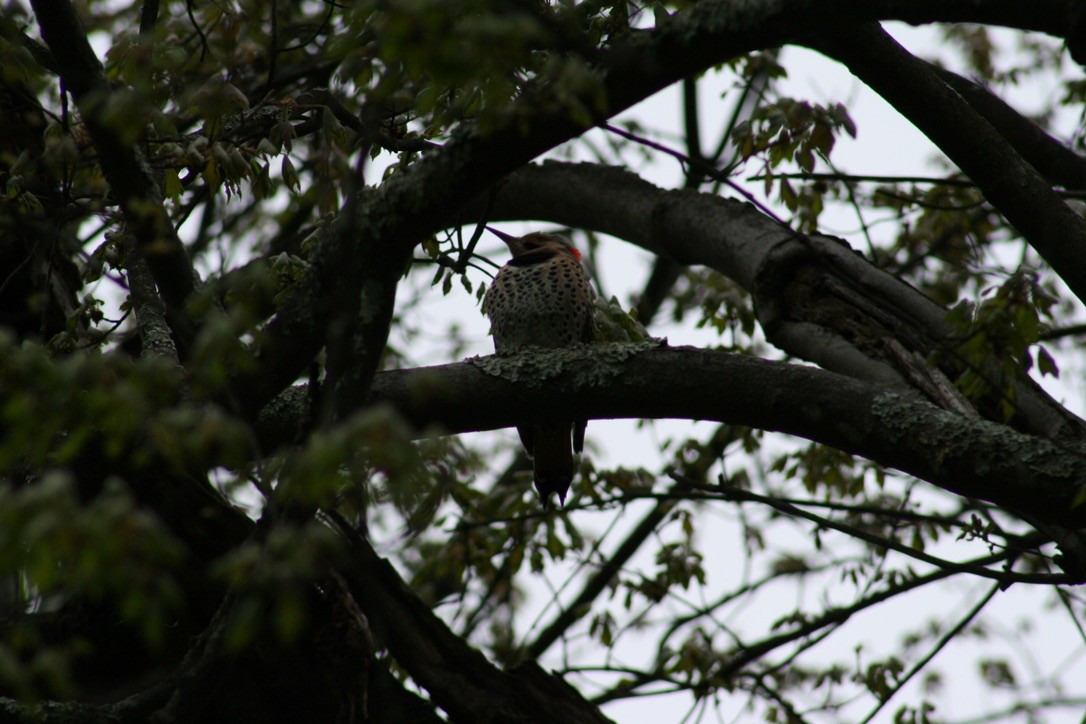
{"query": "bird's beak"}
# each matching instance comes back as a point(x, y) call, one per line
point(507, 238)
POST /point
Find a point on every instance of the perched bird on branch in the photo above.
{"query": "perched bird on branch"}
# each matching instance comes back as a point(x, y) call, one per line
point(543, 297)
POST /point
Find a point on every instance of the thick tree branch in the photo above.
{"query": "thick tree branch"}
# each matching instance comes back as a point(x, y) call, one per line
point(815, 297)
point(1055, 161)
point(363, 303)
point(125, 169)
point(151, 322)
point(411, 205)
point(973, 458)
point(134, 709)
point(459, 678)
point(1007, 180)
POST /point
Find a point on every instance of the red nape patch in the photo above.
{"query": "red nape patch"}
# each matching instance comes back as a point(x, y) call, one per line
point(574, 252)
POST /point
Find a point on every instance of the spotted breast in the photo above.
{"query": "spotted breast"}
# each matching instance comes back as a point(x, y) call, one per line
point(543, 297)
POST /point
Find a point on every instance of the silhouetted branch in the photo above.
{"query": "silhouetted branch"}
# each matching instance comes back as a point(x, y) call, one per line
point(458, 678)
point(124, 167)
point(1007, 180)
point(742, 656)
point(810, 295)
point(578, 608)
point(968, 457)
point(424, 198)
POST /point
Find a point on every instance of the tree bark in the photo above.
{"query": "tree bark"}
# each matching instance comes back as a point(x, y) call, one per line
point(815, 297)
point(1025, 474)
point(424, 198)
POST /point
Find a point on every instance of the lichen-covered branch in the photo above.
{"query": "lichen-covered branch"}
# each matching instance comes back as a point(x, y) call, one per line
point(1024, 474)
point(815, 297)
point(426, 196)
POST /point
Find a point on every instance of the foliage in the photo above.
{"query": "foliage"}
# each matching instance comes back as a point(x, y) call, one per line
point(145, 498)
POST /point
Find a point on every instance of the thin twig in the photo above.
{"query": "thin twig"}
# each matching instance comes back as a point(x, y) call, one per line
point(1004, 577)
point(939, 646)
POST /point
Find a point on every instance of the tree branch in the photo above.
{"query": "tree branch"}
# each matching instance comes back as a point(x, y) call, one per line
point(1007, 180)
point(1053, 160)
point(151, 322)
point(815, 297)
point(125, 169)
point(743, 656)
point(1003, 578)
point(945, 639)
point(971, 458)
point(581, 604)
point(422, 199)
point(459, 678)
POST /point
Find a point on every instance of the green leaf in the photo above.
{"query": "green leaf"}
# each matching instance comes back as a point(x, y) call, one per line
point(290, 174)
point(1045, 363)
point(173, 189)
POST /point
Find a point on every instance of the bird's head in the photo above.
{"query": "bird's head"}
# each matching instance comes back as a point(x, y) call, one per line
point(537, 244)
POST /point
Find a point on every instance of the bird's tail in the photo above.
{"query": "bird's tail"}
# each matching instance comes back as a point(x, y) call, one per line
point(553, 458)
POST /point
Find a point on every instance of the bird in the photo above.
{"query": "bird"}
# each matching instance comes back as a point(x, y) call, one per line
point(543, 297)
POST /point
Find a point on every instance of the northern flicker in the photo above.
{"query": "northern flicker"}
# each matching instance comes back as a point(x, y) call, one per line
point(543, 297)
